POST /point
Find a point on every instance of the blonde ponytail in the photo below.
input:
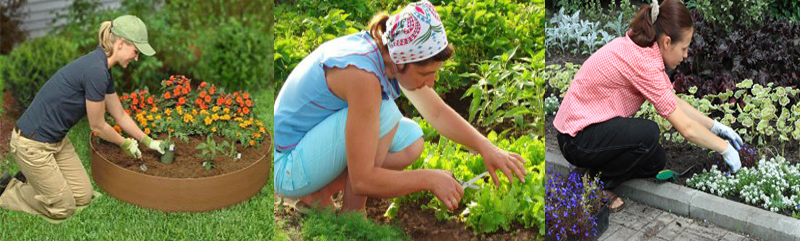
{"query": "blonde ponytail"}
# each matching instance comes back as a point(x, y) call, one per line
point(106, 38)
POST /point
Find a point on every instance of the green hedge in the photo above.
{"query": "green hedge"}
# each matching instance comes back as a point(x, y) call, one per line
point(32, 63)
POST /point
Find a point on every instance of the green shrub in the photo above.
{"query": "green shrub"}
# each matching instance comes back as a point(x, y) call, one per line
point(785, 9)
point(727, 14)
point(32, 63)
point(234, 56)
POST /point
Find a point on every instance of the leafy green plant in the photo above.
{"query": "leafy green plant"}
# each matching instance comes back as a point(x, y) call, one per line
point(726, 14)
point(209, 149)
point(551, 105)
point(32, 63)
point(507, 93)
point(489, 209)
point(568, 33)
point(560, 77)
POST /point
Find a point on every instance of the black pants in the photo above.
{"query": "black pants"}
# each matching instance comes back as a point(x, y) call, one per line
point(619, 149)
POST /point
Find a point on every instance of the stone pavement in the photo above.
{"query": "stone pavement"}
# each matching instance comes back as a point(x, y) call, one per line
point(639, 221)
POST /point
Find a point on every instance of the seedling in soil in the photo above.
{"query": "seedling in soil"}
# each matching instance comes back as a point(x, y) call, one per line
point(747, 156)
point(208, 165)
point(209, 150)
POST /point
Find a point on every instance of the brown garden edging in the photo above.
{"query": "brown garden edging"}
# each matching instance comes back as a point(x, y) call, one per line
point(179, 194)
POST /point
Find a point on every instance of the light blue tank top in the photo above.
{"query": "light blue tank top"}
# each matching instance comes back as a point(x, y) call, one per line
point(305, 98)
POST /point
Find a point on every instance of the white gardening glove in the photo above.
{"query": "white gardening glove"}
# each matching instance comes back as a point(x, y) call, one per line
point(728, 134)
point(731, 157)
point(153, 144)
point(131, 148)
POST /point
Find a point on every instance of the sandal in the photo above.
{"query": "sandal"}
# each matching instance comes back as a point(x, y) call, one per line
point(299, 205)
point(612, 198)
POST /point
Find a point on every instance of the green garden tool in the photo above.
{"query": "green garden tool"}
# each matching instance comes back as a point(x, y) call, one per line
point(669, 175)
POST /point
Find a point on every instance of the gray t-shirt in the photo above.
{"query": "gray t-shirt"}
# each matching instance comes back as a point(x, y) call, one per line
point(61, 102)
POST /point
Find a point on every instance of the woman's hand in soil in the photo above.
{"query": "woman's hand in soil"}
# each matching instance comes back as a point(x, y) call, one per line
point(731, 157)
point(728, 134)
point(131, 148)
point(446, 188)
point(155, 145)
point(507, 162)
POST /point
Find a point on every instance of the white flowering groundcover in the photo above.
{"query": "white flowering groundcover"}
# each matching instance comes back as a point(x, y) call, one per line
point(774, 184)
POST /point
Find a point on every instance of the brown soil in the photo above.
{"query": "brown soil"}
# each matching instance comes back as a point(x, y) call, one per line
point(186, 163)
point(680, 157)
point(419, 224)
point(8, 121)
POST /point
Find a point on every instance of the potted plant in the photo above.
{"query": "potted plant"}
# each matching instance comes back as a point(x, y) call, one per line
point(575, 207)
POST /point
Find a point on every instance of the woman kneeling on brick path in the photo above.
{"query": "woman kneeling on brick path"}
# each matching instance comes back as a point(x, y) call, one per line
point(337, 126)
point(56, 181)
point(595, 131)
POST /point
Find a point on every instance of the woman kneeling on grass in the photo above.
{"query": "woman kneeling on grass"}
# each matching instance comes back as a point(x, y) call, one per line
point(612, 85)
point(337, 126)
point(52, 181)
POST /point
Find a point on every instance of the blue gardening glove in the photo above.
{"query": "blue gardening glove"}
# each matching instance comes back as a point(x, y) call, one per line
point(731, 156)
point(728, 134)
point(131, 148)
point(153, 144)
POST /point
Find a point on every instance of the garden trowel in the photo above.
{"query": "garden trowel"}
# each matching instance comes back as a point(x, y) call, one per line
point(669, 175)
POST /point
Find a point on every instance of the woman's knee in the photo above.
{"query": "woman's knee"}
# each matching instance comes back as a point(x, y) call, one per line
point(59, 206)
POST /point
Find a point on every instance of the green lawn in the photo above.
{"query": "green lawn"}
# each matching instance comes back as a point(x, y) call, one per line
point(110, 219)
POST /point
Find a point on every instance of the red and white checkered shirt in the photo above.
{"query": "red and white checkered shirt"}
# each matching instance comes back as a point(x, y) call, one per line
point(614, 82)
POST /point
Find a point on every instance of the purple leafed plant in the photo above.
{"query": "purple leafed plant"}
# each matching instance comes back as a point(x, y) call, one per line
point(569, 205)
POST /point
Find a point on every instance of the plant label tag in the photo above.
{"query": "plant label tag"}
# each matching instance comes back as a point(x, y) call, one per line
point(172, 147)
point(238, 155)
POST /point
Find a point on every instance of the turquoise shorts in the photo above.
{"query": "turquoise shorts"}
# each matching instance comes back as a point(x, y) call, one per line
point(320, 156)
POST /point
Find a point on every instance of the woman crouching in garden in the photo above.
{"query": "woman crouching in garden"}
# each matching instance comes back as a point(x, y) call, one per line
point(52, 181)
point(337, 126)
point(595, 131)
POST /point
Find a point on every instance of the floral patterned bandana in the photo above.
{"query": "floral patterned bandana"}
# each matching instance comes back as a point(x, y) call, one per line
point(415, 34)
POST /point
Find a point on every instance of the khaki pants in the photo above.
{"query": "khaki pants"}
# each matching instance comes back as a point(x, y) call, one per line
point(56, 180)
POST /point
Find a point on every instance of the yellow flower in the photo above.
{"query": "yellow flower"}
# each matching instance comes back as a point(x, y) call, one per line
point(179, 109)
point(203, 112)
point(238, 119)
point(215, 109)
point(154, 109)
point(188, 118)
point(262, 130)
point(147, 131)
point(213, 129)
point(143, 122)
point(227, 110)
point(259, 124)
point(168, 111)
point(169, 118)
point(150, 117)
point(226, 117)
point(158, 117)
point(208, 120)
point(252, 142)
point(153, 124)
point(215, 117)
point(194, 111)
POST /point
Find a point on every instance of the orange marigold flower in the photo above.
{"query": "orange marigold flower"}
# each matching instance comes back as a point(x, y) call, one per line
point(239, 100)
point(203, 84)
point(246, 110)
point(202, 94)
point(147, 131)
point(133, 95)
point(186, 91)
point(220, 101)
point(252, 142)
point(213, 129)
point(211, 90)
point(229, 101)
point(246, 95)
point(177, 91)
point(208, 98)
point(135, 101)
point(167, 95)
point(198, 101)
point(248, 103)
point(182, 101)
point(168, 82)
point(150, 100)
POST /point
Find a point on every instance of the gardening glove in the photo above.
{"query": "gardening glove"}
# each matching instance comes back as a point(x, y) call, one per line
point(131, 148)
point(728, 134)
point(153, 144)
point(731, 156)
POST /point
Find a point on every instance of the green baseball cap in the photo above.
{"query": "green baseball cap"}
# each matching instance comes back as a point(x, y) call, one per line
point(133, 29)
